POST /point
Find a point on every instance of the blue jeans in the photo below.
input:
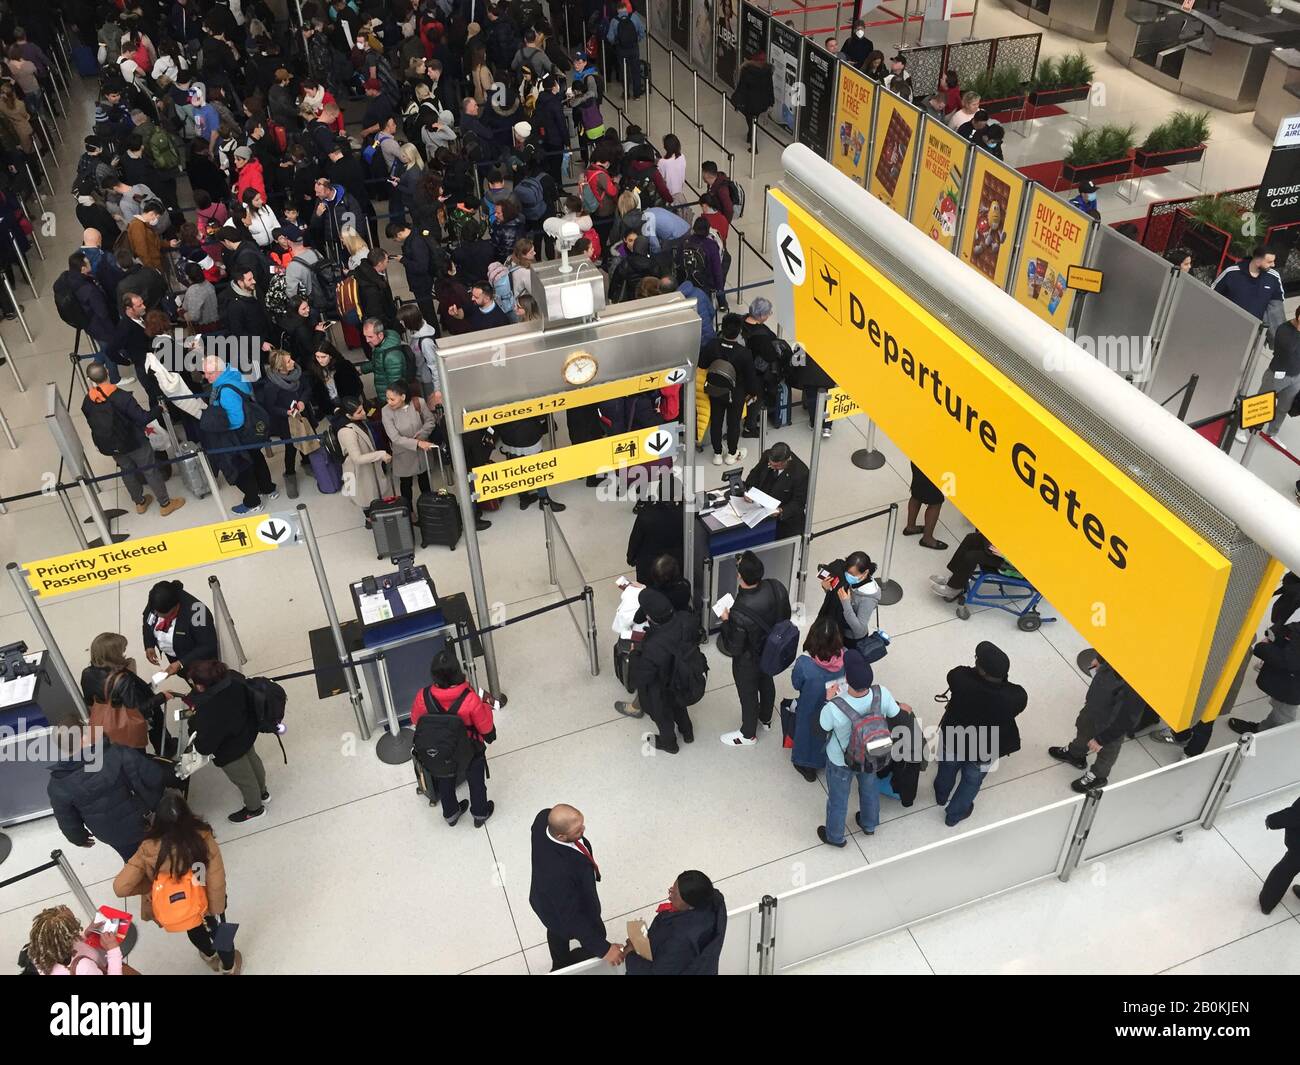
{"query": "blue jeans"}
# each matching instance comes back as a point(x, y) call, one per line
point(838, 782)
point(962, 802)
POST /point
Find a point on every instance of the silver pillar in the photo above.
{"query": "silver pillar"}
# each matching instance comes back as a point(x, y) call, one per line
point(482, 606)
point(345, 659)
point(13, 366)
point(77, 888)
point(32, 178)
point(813, 460)
point(28, 599)
point(394, 746)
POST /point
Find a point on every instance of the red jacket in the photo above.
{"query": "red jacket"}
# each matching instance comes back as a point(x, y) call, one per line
point(474, 712)
point(250, 177)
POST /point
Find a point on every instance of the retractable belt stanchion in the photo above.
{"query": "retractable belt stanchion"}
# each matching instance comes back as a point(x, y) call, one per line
point(22, 262)
point(9, 433)
point(13, 366)
point(222, 610)
point(672, 94)
point(9, 290)
point(699, 129)
point(689, 499)
point(28, 599)
point(345, 658)
point(211, 478)
point(593, 650)
point(868, 458)
point(394, 746)
point(813, 461)
point(753, 150)
point(890, 590)
point(31, 178)
point(72, 517)
point(98, 517)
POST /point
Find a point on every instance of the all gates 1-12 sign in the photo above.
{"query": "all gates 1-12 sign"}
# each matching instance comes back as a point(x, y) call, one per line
point(528, 473)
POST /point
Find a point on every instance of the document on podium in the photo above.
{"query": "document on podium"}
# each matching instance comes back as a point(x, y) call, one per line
point(374, 608)
point(416, 596)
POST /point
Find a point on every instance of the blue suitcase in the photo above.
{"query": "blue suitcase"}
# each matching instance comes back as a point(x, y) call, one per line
point(85, 60)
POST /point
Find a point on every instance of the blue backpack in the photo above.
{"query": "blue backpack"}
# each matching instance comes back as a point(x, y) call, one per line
point(780, 643)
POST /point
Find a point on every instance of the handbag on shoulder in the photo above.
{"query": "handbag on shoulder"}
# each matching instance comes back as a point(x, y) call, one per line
point(121, 724)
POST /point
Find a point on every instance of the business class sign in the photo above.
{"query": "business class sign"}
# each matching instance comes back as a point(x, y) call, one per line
point(1104, 553)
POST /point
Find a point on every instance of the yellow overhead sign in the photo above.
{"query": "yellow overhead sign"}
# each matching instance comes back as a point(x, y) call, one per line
point(574, 397)
point(100, 567)
point(1258, 410)
point(548, 468)
point(839, 404)
point(1102, 551)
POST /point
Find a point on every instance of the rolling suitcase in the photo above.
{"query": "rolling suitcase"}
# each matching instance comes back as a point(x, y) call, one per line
point(328, 473)
point(187, 458)
point(85, 60)
point(438, 515)
point(623, 652)
point(390, 521)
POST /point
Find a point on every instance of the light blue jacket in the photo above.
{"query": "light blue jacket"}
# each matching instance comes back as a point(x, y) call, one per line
point(611, 35)
point(231, 403)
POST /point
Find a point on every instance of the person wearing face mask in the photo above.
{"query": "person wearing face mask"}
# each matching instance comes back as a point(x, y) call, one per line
point(852, 596)
point(1111, 710)
point(1086, 201)
point(856, 49)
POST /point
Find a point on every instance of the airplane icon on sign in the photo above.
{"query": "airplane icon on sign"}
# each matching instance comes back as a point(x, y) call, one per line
point(829, 276)
point(831, 282)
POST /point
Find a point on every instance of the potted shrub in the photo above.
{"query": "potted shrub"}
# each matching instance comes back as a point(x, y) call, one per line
point(1098, 152)
point(1180, 138)
point(1209, 217)
point(1000, 89)
point(1061, 81)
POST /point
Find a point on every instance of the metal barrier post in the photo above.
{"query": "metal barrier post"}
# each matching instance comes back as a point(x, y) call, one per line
point(688, 476)
point(28, 598)
point(211, 478)
point(77, 888)
point(49, 141)
point(868, 458)
point(767, 937)
point(1245, 749)
point(9, 289)
point(722, 103)
point(763, 246)
point(625, 72)
point(1081, 829)
point(13, 366)
point(902, 33)
point(106, 535)
point(222, 609)
point(32, 179)
point(974, 11)
point(170, 426)
point(345, 659)
point(547, 518)
point(9, 433)
point(394, 746)
point(890, 590)
point(801, 578)
point(753, 151)
point(22, 262)
point(72, 517)
point(593, 649)
point(36, 241)
point(672, 95)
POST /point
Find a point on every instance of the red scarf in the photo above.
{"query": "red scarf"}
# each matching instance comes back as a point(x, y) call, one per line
point(164, 621)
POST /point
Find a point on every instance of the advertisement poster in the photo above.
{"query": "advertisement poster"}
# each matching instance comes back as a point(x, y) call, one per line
point(894, 151)
point(726, 45)
point(1279, 190)
point(1054, 240)
point(819, 98)
point(936, 207)
point(783, 48)
point(702, 36)
point(679, 25)
point(753, 31)
point(852, 124)
point(992, 212)
point(659, 19)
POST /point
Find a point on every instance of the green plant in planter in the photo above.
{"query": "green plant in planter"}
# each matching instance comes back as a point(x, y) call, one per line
point(996, 84)
point(1222, 213)
point(1100, 144)
point(1182, 129)
point(1068, 72)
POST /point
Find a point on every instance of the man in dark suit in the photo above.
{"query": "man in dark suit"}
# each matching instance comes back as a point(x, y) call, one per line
point(783, 475)
point(563, 891)
point(1288, 868)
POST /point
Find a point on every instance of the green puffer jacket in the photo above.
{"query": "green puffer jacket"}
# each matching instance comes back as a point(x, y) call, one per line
point(387, 363)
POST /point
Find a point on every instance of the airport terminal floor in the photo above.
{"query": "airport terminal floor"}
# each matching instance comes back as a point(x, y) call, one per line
point(346, 843)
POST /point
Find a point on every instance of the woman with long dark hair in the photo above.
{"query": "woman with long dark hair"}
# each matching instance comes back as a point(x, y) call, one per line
point(179, 874)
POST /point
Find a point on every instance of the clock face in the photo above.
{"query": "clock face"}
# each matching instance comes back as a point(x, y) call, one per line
point(579, 368)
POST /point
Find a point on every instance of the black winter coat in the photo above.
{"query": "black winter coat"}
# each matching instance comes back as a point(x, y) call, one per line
point(109, 801)
point(754, 93)
point(277, 397)
point(374, 295)
point(195, 638)
point(1289, 821)
point(742, 634)
point(652, 666)
point(656, 531)
point(1280, 675)
point(789, 488)
point(684, 942)
point(246, 316)
point(991, 707)
point(223, 722)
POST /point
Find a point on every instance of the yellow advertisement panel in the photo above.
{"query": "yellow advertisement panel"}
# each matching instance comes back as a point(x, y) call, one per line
point(99, 567)
point(852, 124)
point(989, 217)
point(531, 472)
point(1098, 547)
point(893, 151)
point(1054, 240)
point(939, 183)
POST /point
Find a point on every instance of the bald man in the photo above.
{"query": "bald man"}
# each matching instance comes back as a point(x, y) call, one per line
point(102, 264)
point(563, 890)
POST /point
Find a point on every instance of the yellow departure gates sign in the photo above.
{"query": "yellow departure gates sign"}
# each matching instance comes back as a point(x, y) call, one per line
point(839, 404)
point(574, 397)
point(102, 566)
point(1100, 549)
point(548, 468)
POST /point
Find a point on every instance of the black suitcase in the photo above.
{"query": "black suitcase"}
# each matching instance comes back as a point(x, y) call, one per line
point(623, 652)
point(438, 514)
point(390, 521)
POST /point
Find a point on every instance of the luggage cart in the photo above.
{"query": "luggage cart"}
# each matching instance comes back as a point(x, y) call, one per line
point(1006, 589)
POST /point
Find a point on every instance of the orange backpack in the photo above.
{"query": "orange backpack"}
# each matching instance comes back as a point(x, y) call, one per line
point(179, 903)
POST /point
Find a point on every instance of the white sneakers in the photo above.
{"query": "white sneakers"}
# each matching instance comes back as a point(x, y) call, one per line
point(717, 460)
point(738, 457)
point(736, 739)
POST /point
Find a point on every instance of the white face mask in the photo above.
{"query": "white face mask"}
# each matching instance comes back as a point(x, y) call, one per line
point(859, 33)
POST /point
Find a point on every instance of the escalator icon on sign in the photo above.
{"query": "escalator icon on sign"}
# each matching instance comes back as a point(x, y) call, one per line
point(826, 287)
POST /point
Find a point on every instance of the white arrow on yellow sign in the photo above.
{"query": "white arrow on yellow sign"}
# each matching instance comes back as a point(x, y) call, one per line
point(199, 546)
point(547, 468)
point(574, 397)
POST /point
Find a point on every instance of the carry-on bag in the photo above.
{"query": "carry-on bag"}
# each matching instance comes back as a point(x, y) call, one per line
point(390, 521)
point(187, 459)
point(438, 515)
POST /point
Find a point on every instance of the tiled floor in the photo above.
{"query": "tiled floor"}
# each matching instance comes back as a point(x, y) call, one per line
point(346, 842)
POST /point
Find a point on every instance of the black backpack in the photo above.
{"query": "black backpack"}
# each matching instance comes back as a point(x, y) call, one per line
point(645, 187)
point(268, 701)
point(111, 433)
point(690, 265)
point(737, 198)
point(625, 36)
point(329, 439)
point(67, 304)
point(442, 743)
point(257, 422)
point(690, 673)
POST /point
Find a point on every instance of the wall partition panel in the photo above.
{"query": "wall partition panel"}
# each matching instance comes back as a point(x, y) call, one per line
point(922, 883)
point(1204, 335)
point(1155, 803)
